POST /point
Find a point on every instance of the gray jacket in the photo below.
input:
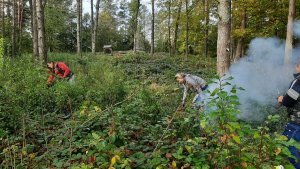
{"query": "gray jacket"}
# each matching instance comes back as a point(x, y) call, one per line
point(193, 83)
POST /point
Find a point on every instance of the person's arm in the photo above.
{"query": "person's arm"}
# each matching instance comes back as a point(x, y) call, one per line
point(50, 79)
point(65, 68)
point(185, 91)
point(290, 98)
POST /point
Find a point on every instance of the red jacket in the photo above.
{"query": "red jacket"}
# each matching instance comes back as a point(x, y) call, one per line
point(61, 69)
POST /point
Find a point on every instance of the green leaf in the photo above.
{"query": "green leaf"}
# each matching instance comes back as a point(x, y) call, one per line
point(236, 139)
point(96, 136)
point(215, 92)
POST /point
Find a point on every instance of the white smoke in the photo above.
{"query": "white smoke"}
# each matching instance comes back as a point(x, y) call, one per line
point(263, 76)
point(297, 28)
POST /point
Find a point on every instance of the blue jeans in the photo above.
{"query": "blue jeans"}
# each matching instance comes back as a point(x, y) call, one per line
point(292, 130)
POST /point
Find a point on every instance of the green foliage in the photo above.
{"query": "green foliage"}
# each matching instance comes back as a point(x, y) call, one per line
point(124, 116)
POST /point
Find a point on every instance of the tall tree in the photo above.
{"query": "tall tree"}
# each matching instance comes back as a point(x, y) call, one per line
point(187, 28)
point(34, 29)
point(79, 25)
point(40, 5)
point(13, 35)
point(95, 27)
point(206, 19)
point(240, 44)
point(223, 54)
point(136, 21)
point(2, 18)
point(152, 28)
point(92, 23)
point(289, 32)
point(169, 27)
point(21, 4)
point(177, 25)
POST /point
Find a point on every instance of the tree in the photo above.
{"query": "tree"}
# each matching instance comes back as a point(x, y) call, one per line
point(169, 26)
point(2, 18)
point(79, 25)
point(177, 25)
point(152, 29)
point(206, 19)
point(240, 44)
point(92, 24)
point(34, 29)
point(13, 36)
point(41, 31)
point(223, 54)
point(289, 33)
point(95, 27)
point(137, 9)
point(187, 29)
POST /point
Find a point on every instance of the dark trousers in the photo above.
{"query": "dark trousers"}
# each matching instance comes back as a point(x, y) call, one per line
point(292, 130)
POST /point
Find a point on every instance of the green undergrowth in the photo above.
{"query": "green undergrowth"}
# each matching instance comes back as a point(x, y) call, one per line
point(124, 115)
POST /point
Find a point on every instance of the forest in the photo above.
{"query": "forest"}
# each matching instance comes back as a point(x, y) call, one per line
point(121, 105)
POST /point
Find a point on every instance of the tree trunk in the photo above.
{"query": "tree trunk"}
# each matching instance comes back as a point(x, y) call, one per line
point(187, 29)
point(136, 25)
point(231, 44)
point(177, 26)
point(152, 29)
point(223, 54)
point(169, 26)
point(206, 19)
point(41, 31)
point(2, 18)
point(289, 33)
point(34, 29)
point(13, 35)
point(92, 24)
point(20, 23)
point(240, 43)
point(95, 27)
point(79, 23)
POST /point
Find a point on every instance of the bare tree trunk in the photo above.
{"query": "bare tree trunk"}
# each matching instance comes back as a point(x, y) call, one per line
point(41, 31)
point(34, 29)
point(152, 29)
point(136, 26)
point(289, 33)
point(230, 28)
point(79, 27)
point(20, 23)
point(187, 29)
point(223, 54)
point(95, 27)
point(206, 13)
point(13, 35)
point(177, 26)
point(240, 43)
point(3, 18)
point(169, 26)
point(92, 24)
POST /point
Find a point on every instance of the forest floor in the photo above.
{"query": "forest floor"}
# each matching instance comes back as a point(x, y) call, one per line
point(124, 115)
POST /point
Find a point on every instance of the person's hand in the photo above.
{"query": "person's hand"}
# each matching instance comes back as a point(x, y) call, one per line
point(49, 84)
point(279, 99)
point(181, 107)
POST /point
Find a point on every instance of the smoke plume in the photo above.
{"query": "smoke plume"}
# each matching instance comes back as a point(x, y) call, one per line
point(297, 28)
point(263, 75)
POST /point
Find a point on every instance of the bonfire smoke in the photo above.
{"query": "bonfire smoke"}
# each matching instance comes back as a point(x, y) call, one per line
point(297, 28)
point(263, 75)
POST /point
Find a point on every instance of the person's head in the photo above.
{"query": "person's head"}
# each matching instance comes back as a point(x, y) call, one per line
point(180, 78)
point(50, 66)
point(297, 67)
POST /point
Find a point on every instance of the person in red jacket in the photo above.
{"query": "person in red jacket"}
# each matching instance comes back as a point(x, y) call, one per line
point(60, 69)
